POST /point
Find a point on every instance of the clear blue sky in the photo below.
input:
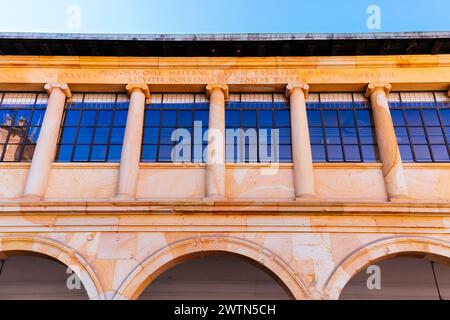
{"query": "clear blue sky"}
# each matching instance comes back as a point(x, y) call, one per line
point(220, 16)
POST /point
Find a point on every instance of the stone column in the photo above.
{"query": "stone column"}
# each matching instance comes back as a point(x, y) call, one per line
point(301, 146)
point(45, 151)
point(132, 143)
point(393, 173)
point(215, 169)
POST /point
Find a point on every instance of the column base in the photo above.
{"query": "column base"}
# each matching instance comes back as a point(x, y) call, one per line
point(214, 198)
point(123, 197)
point(31, 197)
point(400, 198)
point(306, 198)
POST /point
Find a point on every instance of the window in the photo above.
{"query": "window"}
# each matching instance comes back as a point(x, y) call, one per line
point(258, 128)
point(175, 128)
point(93, 128)
point(341, 128)
point(422, 125)
point(21, 116)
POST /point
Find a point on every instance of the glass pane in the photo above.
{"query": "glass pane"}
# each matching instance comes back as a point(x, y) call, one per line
point(104, 118)
point(166, 135)
point(413, 117)
point(265, 119)
point(165, 153)
point(72, 118)
point(185, 119)
point(347, 118)
point(316, 135)
point(152, 118)
point(64, 153)
point(406, 153)
point(38, 117)
point(68, 135)
point(282, 118)
point(233, 118)
point(285, 153)
point(117, 135)
point(85, 135)
point(99, 153)
point(440, 153)
point(120, 118)
point(88, 118)
point(349, 135)
point(169, 118)
point(284, 135)
point(370, 153)
point(202, 116)
point(23, 118)
point(330, 118)
point(352, 153)
point(417, 135)
point(364, 118)
point(151, 135)
point(397, 118)
point(33, 134)
point(445, 116)
point(114, 154)
point(367, 135)
point(318, 153)
point(249, 119)
point(430, 117)
point(422, 153)
point(314, 118)
point(101, 135)
point(435, 135)
point(335, 153)
point(149, 153)
point(333, 135)
point(81, 153)
point(402, 135)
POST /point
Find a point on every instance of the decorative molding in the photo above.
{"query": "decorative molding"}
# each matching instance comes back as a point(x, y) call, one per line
point(223, 87)
point(62, 86)
point(372, 87)
point(292, 86)
point(141, 87)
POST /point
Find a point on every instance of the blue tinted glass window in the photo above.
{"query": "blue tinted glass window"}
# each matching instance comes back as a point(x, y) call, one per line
point(21, 117)
point(186, 122)
point(314, 118)
point(266, 129)
point(347, 132)
point(93, 129)
point(422, 136)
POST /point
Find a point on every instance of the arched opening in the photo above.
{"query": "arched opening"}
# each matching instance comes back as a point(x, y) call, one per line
point(405, 276)
point(213, 276)
point(32, 276)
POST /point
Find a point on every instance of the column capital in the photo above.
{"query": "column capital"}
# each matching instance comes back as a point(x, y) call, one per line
point(137, 86)
point(211, 87)
point(292, 86)
point(372, 87)
point(64, 87)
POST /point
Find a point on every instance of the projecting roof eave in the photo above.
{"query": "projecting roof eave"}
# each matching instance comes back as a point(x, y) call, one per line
point(244, 44)
point(228, 37)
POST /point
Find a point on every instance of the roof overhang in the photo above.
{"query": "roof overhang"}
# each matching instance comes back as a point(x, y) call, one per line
point(225, 45)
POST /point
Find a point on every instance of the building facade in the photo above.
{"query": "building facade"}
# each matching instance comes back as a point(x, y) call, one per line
point(305, 169)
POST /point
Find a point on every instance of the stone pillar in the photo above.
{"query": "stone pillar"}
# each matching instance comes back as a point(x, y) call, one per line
point(215, 169)
point(393, 172)
point(301, 146)
point(45, 151)
point(132, 143)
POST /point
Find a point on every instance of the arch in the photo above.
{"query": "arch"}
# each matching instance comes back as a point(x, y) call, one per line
point(183, 250)
point(381, 250)
point(57, 251)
